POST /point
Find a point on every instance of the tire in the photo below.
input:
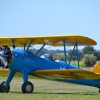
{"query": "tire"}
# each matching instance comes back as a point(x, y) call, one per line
point(99, 90)
point(4, 87)
point(27, 87)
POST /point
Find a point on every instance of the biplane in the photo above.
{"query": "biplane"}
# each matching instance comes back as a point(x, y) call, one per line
point(29, 63)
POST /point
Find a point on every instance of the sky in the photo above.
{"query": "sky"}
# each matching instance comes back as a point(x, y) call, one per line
point(50, 17)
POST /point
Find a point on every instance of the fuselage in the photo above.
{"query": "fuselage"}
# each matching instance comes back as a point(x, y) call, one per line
point(32, 62)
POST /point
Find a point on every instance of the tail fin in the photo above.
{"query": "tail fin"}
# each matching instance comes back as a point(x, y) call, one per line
point(96, 68)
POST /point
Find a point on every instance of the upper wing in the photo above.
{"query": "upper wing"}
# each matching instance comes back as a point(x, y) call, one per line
point(67, 74)
point(49, 40)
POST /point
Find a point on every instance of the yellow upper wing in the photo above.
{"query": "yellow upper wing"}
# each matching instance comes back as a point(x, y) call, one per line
point(67, 74)
point(49, 40)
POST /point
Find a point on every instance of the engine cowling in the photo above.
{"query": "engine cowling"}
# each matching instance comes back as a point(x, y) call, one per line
point(5, 56)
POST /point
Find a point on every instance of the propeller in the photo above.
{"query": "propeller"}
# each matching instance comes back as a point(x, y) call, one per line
point(5, 56)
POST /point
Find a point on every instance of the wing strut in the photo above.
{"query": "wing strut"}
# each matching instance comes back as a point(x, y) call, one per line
point(28, 46)
point(77, 56)
point(64, 43)
point(13, 44)
point(72, 55)
point(24, 47)
point(40, 49)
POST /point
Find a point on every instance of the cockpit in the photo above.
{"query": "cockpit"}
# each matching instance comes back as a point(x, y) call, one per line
point(48, 56)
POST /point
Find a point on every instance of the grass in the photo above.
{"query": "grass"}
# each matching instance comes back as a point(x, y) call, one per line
point(49, 90)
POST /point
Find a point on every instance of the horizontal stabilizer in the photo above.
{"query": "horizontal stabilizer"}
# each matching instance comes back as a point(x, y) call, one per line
point(96, 68)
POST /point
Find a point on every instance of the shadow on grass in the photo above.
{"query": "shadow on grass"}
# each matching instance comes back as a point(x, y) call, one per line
point(74, 93)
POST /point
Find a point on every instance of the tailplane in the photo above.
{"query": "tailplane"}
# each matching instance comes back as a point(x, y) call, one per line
point(96, 68)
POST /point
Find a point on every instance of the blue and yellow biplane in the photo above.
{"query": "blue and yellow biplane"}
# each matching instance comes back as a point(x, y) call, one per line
point(29, 63)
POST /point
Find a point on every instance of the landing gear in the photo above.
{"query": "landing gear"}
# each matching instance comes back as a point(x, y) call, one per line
point(4, 87)
point(99, 91)
point(27, 87)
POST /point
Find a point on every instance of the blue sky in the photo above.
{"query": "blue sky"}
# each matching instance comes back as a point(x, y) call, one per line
point(50, 17)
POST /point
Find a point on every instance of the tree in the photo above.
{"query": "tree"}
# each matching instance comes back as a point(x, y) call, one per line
point(88, 50)
point(89, 60)
point(59, 56)
point(97, 54)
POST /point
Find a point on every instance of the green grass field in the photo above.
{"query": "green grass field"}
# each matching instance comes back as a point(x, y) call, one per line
point(49, 90)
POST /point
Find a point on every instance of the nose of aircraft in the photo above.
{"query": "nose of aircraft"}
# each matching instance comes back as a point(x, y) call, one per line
point(5, 56)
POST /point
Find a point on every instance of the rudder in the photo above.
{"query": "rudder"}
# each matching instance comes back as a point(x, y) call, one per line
point(96, 68)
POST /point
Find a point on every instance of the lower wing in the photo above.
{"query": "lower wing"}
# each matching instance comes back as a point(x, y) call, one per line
point(67, 74)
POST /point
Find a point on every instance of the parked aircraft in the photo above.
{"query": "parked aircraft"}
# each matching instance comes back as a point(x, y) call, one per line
point(29, 63)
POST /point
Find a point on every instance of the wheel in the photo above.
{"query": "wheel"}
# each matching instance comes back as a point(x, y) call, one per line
point(4, 87)
point(99, 90)
point(27, 87)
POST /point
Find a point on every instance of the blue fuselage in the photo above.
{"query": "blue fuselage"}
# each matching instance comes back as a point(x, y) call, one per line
point(31, 62)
